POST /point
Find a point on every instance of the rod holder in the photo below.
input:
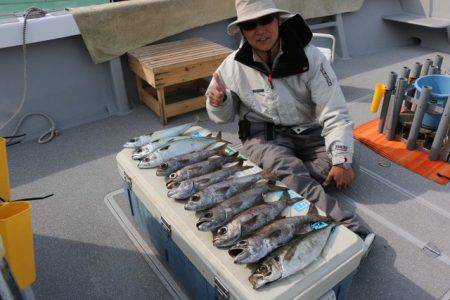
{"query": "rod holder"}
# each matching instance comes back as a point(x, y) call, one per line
point(390, 87)
point(426, 66)
point(394, 109)
point(438, 61)
point(405, 72)
point(421, 108)
point(441, 133)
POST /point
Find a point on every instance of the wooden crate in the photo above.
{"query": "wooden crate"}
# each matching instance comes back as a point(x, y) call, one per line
point(164, 68)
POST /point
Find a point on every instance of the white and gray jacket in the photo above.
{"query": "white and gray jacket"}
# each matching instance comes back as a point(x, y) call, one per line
point(301, 90)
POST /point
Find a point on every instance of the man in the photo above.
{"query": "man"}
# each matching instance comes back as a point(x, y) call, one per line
point(293, 119)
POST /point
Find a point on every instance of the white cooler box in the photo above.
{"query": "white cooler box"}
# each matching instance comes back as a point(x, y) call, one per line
point(207, 272)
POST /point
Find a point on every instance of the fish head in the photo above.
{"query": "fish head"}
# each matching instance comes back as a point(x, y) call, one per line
point(174, 176)
point(269, 271)
point(150, 161)
point(195, 202)
point(141, 152)
point(172, 184)
point(248, 251)
point(227, 235)
point(164, 169)
point(136, 141)
point(211, 219)
point(182, 190)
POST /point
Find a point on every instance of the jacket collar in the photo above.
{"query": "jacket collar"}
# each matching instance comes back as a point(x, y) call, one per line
point(295, 35)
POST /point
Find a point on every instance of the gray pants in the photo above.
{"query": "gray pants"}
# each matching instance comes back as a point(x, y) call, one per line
point(301, 162)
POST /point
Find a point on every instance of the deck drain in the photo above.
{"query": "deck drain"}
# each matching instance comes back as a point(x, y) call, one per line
point(431, 250)
point(384, 164)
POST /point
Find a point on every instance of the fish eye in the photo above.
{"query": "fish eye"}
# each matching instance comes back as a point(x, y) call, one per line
point(138, 150)
point(164, 166)
point(242, 243)
point(146, 159)
point(195, 197)
point(208, 215)
point(173, 176)
point(132, 140)
point(222, 230)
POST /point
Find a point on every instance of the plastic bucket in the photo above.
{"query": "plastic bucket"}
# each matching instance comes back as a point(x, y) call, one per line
point(439, 96)
point(17, 235)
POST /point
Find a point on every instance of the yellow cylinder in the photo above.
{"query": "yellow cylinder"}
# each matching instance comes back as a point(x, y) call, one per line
point(17, 234)
point(4, 173)
point(379, 92)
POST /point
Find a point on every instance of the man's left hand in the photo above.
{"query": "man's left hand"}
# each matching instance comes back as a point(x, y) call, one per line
point(342, 177)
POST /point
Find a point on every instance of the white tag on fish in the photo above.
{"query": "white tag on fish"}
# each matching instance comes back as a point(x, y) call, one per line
point(299, 208)
point(199, 133)
point(273, 196)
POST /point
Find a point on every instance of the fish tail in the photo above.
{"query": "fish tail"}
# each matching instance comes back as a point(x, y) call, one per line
point(313, 213)
point(270, 177)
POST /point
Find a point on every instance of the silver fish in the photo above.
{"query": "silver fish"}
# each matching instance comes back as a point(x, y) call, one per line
point(272, 236)
point(157, 135)
point(141, 152)
point(218, 192)
point(249, 221)
point(185, 189)
point(201, 168)
point(175, 149)
point(176, 163)
point(291, 258)
point(222, 213)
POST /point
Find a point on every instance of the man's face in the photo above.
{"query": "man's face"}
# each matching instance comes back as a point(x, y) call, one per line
point(264, 35)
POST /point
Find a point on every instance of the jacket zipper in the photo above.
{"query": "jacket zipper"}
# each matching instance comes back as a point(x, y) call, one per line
point(270, 80)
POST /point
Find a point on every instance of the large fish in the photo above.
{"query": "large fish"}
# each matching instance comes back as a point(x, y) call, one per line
point(178, 162)
point(249, 221)
point(218, 192)
point(274, 235)
point(291, 258)
point(141, 152)
point(201, 168)
point(157, 135)
point(185, 189)
point(222, 213)
point(175, 149)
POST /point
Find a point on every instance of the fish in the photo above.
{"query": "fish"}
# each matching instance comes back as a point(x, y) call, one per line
point(250, 220)
point(291, 258)
point(178, 162)
point(274, 235)
point(222, 213)
point(175, 149)
point(185, 189)
point(157, 135)
point(141, 152)
point(201, 168)
point(218, 192)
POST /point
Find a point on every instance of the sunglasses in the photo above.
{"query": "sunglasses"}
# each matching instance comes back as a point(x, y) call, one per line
point(252, 24)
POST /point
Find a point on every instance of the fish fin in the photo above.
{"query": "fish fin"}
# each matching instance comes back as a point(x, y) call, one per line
point(273, 187)
point(251, 220)
point(235, 205)
point(201, 181)
point(222, 189)
point(164, 148)
point(313, 213)
point(275, 234)
point(270, 177)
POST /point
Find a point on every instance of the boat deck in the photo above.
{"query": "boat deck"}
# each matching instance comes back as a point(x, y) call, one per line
point(83, 252)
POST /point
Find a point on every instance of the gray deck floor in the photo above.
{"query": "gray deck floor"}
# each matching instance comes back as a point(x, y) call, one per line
point(81, 251)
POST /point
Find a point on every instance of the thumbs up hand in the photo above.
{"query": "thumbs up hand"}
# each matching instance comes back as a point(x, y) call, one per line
point(218, 91)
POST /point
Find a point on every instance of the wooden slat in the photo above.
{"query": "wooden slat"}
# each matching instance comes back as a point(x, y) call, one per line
point(185, 106)
point(139, 69)
point(155, 53)
point(187, 73)
point(150, 101)
point(181, 61)
point(167, 48)
point(182, 54)
point(174, 44)
point(162, 105)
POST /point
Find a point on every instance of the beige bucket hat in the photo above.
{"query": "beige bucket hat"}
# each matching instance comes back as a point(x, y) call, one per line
point(253, 9)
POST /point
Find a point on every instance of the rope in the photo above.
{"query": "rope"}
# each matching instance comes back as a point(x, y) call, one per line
point(30, 13)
